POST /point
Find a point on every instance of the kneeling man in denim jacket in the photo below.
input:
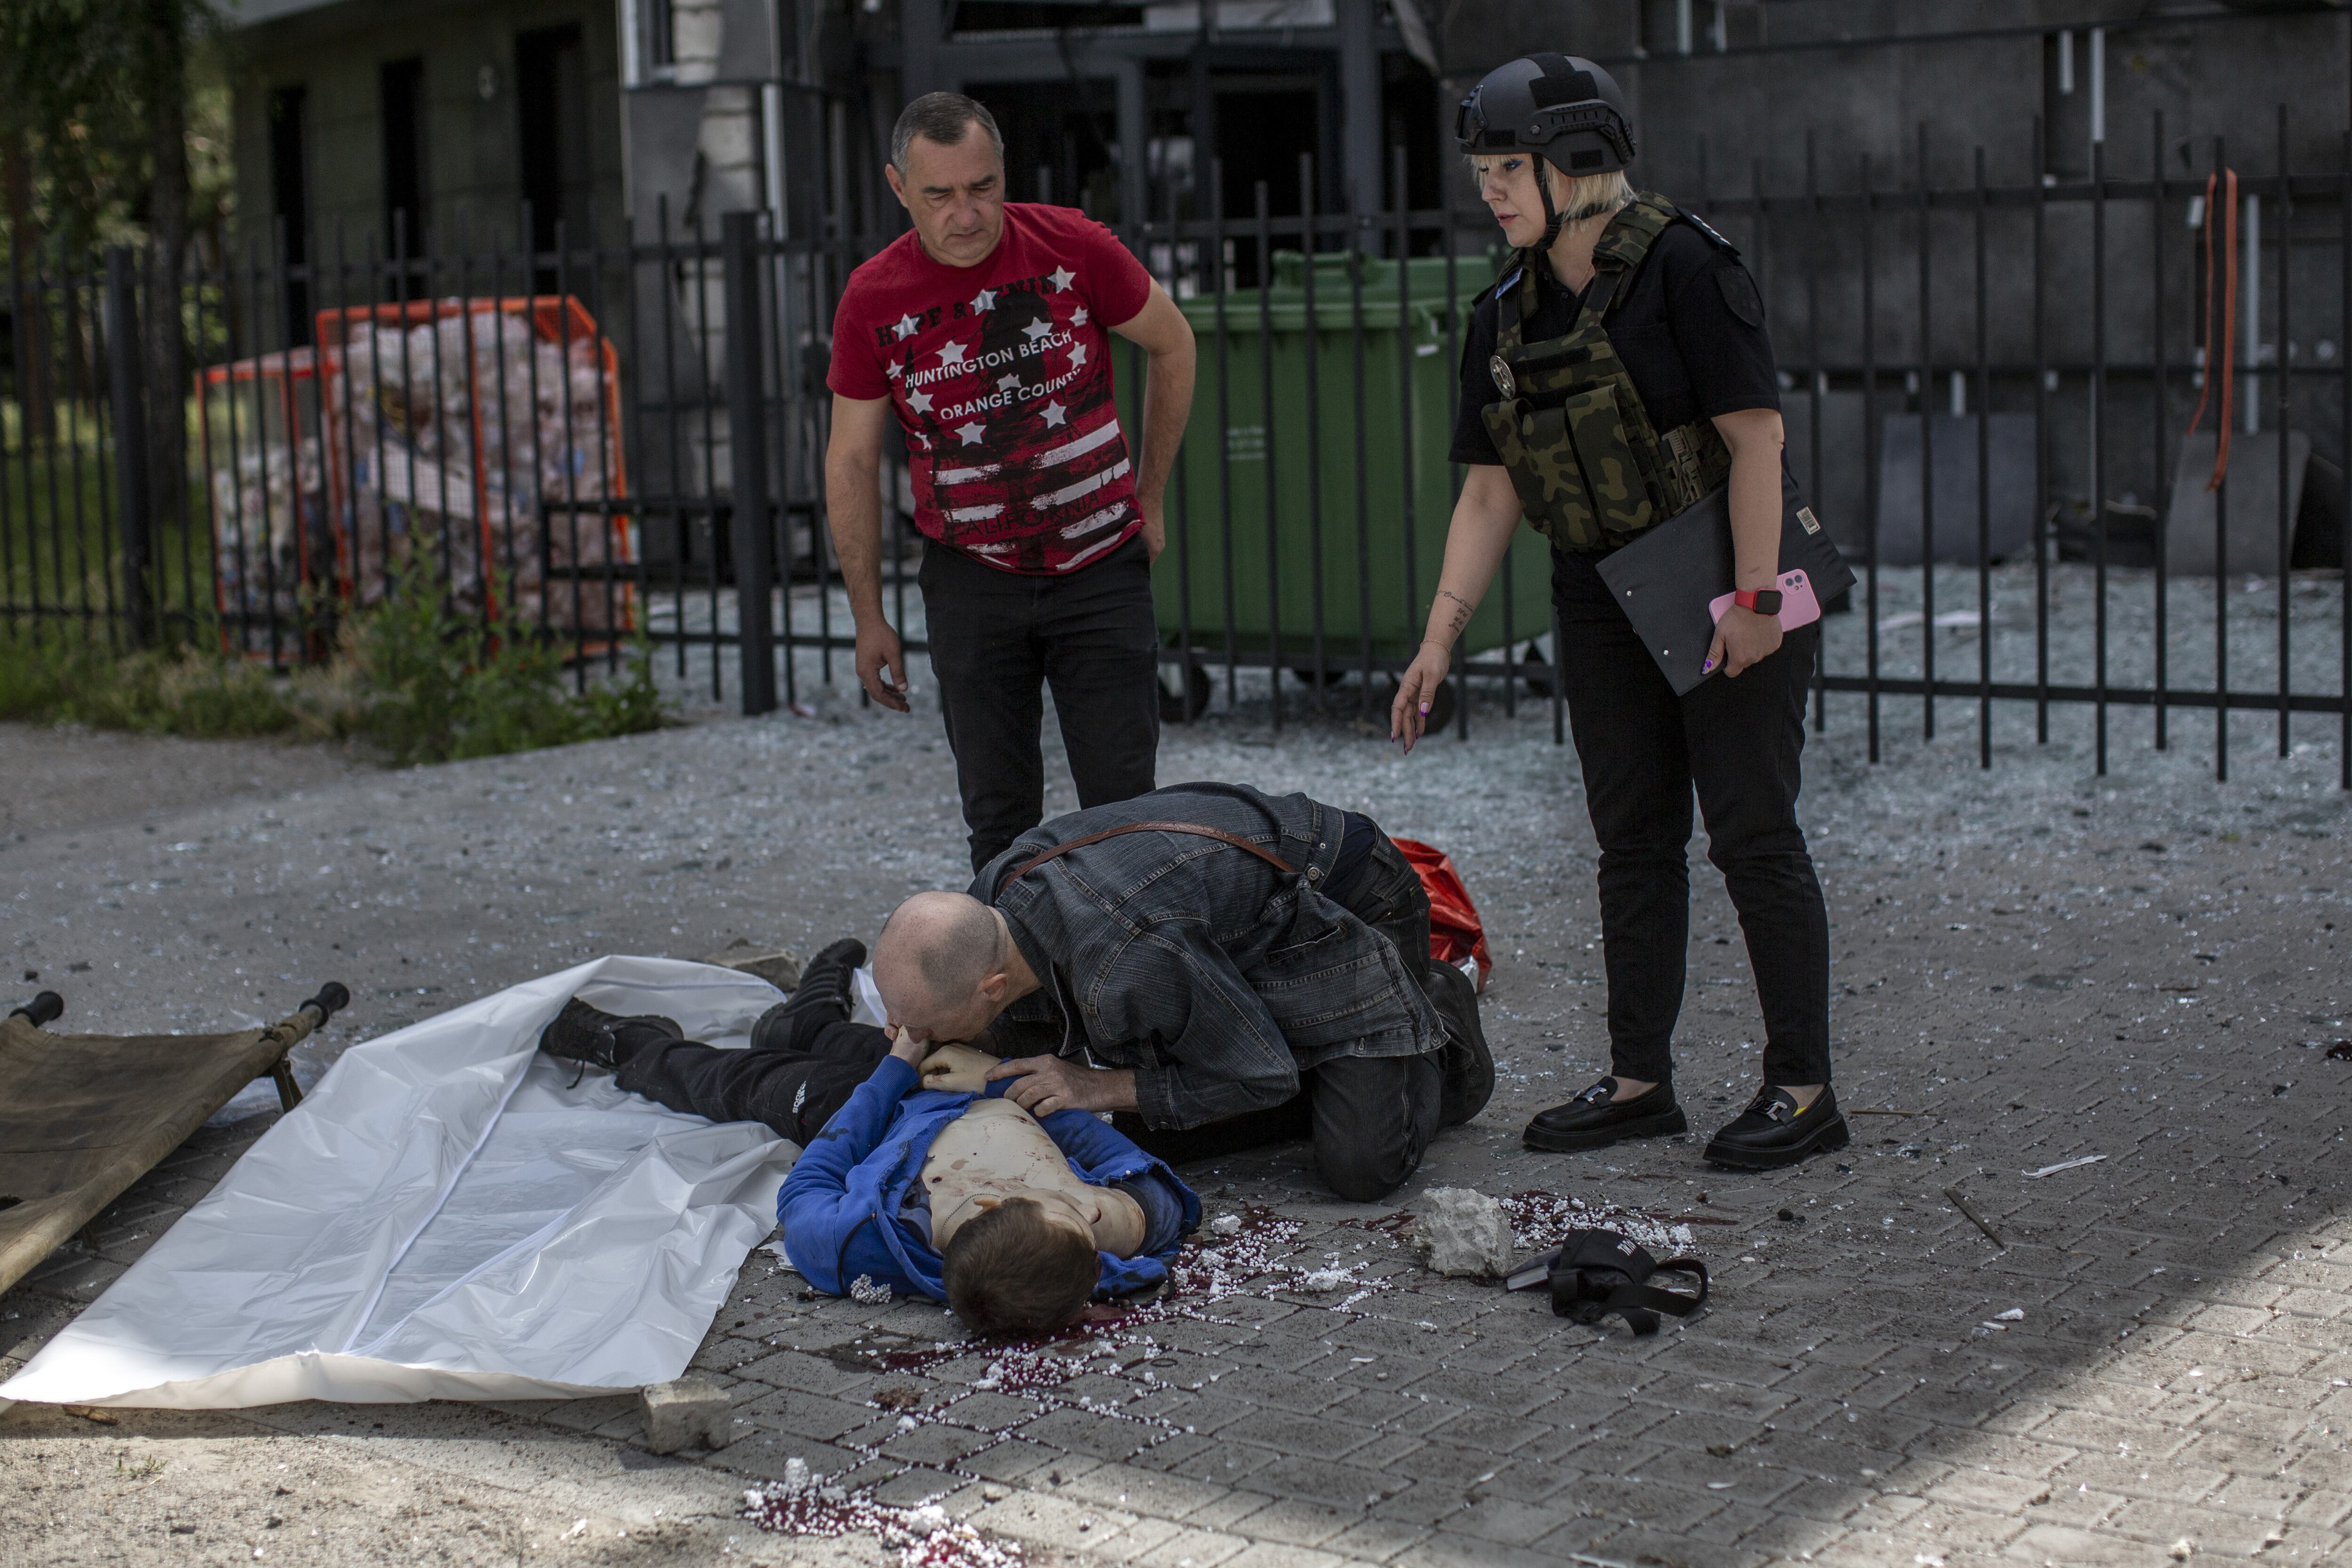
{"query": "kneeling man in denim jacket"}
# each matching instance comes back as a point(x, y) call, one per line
point(1216, 966)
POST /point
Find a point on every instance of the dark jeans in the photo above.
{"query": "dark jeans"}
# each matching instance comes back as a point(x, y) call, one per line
point(997, 637)
point(1642, 748)
point(800, 1070)
point(1371, 1118)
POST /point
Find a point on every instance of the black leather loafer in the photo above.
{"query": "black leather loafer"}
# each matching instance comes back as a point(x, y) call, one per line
point(1469, 1065)
point(1594, 1121)
point(1774, 1130)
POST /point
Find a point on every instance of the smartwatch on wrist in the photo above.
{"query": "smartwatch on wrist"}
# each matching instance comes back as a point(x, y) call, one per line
point(1763, 601)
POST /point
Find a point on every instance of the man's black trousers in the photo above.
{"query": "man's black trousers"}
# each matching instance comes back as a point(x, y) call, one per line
point(1737, 740)
point(997, 637)
point(1369, 1118)
point(799, 1069)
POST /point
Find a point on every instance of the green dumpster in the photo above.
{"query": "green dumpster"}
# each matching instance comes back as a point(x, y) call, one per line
point(1361, 491)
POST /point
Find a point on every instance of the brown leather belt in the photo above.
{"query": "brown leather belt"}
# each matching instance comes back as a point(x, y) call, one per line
point(1194, 828)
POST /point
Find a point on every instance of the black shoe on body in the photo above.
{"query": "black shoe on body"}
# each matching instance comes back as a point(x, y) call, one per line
point(1469, 1066)
point(587, 1035)
point(830, 981)
point(1594, 1121)
point(1774, 1130)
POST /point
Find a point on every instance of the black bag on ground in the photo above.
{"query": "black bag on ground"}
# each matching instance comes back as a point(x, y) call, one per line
point(1597, 1272)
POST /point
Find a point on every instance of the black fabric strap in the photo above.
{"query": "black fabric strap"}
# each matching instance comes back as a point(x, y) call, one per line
point(1641, 1304)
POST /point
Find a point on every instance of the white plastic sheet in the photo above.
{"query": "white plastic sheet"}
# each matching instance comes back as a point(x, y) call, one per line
point(446, 1217)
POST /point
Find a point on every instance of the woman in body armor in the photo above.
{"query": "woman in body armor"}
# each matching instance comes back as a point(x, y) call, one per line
point(1618, 372)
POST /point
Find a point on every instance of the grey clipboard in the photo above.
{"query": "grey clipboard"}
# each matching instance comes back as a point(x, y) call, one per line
point(1665, 579)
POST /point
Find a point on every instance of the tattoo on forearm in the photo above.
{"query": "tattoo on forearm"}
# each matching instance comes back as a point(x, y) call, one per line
point(1459, 614)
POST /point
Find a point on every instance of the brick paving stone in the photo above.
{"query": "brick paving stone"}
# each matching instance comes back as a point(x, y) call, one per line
point(1377, 1541)
point(1295, 1523)
point(1315, 1481)
point(1183, 1547)
point(2087, 1548)
point(1276, 1554)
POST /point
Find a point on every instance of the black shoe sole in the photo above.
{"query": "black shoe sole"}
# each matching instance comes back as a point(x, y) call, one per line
point(1664, 1124)
point(1830, 1137)
point(1462, 1009)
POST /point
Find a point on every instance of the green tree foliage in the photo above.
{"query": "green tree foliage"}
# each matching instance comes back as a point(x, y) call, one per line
point(95, 118)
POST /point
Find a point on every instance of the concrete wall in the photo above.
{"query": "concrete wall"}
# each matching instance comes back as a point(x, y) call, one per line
point(473, 178)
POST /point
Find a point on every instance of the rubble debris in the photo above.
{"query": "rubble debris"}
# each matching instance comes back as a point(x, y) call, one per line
point(1541, 1220)
point(1974, 1218)
point(1465, 1234)
point(779, 966)
point(684, 1411)
point(2063, 1165)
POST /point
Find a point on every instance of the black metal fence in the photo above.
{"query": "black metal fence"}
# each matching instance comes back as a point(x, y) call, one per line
point(1988, 389)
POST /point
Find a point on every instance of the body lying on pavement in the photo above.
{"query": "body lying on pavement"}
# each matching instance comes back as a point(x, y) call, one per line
point(915, 1173)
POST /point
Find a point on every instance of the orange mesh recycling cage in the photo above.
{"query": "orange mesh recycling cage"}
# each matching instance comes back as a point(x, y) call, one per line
point(485, 436)
point(266, 499)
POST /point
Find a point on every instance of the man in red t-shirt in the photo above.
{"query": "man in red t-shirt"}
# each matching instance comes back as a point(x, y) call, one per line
point(985, 331)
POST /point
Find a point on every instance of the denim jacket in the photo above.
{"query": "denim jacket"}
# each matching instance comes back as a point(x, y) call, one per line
point(1217, 978)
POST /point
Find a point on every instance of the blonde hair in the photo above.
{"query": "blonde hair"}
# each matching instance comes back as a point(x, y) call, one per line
point(1607, 192)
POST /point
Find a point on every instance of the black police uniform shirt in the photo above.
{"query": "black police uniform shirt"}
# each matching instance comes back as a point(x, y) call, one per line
point(1689, 326)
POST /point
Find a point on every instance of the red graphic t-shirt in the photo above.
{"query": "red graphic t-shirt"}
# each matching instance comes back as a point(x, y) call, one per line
point(1000, 378)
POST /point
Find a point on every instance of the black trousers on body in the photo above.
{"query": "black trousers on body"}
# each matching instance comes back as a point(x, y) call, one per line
point(799, 1069)
point(1643, 750)
point(997, 638)
point(1371, 1118)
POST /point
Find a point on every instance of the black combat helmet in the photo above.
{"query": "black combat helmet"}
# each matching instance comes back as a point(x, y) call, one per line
point(1562, 107)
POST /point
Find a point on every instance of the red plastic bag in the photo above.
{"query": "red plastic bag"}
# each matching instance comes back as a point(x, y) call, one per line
point(1454, 932)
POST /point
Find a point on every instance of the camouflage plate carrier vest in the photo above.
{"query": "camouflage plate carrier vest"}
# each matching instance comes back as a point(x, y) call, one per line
point(1591, 471)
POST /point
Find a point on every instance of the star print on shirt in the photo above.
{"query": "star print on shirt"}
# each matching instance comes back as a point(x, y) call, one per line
point(1078, 355)
point(905, 327)
point(1080, 319)
point(920, 402)
point(1037, 330)
point(1007, 383)
point(896, 371)
point(970, 434)
point(983, 300)
point(1055, 414)
point(1062, 277)
point(951, 353)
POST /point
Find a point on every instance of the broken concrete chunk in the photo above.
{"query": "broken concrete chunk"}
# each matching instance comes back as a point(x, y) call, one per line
point(1465, 1233)
point(779, 966)
point(689, 1410)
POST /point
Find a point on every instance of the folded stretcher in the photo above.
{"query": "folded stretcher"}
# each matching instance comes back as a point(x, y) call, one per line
point(84, 1116)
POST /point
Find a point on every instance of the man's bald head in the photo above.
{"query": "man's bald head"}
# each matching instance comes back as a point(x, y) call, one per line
point(935, 960)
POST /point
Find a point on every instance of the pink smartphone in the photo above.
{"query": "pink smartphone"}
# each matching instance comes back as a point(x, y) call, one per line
point(1798, 606)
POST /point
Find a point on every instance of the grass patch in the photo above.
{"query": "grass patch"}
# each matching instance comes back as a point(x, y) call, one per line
point(60, 679)
point(412, 680)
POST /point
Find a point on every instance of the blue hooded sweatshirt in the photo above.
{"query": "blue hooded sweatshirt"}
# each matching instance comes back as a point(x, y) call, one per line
point(841, 1206)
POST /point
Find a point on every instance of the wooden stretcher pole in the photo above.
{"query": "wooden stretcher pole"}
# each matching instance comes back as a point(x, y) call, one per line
point(292, 1030)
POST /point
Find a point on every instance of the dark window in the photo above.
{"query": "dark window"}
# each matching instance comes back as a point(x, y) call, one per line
point(661, 33)
point(289, 198)
point(403, 157)
point(551, 95)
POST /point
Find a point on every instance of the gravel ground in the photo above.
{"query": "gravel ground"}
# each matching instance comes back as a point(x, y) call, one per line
point(2042, 964)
